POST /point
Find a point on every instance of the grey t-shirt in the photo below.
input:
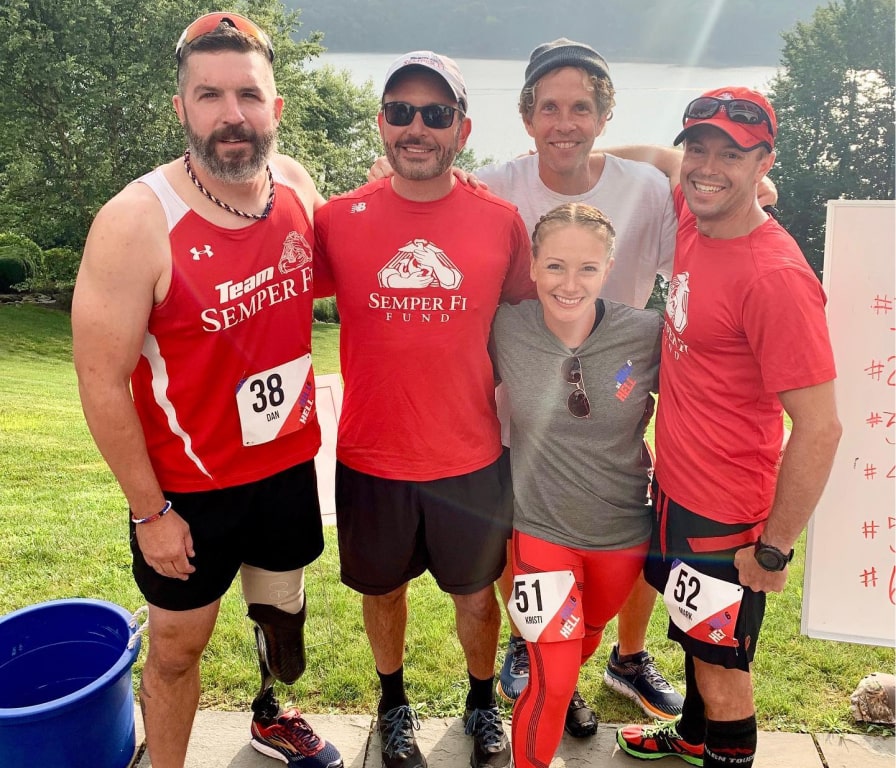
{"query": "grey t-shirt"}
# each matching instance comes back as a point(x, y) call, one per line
point(579, 482)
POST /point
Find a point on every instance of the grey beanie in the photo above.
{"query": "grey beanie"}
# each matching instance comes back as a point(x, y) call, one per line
point(564, 53)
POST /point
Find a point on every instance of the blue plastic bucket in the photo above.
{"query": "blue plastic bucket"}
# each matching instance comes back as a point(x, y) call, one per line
point(66, 697)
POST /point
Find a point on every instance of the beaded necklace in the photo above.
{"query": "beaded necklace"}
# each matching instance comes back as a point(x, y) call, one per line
point(263, 215)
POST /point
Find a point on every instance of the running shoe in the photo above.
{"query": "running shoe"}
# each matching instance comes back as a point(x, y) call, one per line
point(651, 742)
point(640, 681)
point(291, 739)
point(580, 720)
point(398, 745)
point(491, 748)
point(514, 675)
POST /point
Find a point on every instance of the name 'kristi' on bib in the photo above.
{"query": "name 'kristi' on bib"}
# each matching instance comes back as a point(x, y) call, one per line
point(276, 402)
point(547, 606)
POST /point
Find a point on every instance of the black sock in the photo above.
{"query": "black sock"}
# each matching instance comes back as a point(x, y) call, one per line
point(692, 726)
point(730, 743)
point(630, 657)
point(392, 686)
point(482, 693)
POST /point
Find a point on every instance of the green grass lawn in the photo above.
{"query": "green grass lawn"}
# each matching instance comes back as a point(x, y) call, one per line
point(63, 533)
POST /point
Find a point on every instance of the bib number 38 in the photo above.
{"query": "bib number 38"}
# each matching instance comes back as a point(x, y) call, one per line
point(704, 607)
point(276, 402)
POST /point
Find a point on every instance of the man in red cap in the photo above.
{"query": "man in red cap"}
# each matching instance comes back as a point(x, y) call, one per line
point(744, 338)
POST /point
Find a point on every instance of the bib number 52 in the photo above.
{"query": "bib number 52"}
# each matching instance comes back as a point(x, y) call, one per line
point(687, 587)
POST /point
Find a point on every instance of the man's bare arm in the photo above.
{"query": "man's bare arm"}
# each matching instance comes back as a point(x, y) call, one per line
point(805, 467)
point(122, 274)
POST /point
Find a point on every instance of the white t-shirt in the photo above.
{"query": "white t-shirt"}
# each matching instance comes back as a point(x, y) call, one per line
point(636, 197)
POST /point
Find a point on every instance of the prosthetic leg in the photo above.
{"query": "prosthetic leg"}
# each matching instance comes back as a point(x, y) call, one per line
point(280, 639)
point(274, 599)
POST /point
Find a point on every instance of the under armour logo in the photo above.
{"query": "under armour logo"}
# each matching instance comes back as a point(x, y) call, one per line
point(207, 251)
point(358, 208)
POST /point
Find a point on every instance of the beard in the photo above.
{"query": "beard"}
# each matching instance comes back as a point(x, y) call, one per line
point(440, 162)
point(232, 167)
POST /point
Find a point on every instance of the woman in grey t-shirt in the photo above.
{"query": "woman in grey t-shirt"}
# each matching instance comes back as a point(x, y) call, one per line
point(579, 371)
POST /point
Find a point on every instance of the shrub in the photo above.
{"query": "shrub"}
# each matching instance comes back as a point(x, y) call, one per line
point(61, 264)
point(14, 270)
point(325, 310)
point(20, 259)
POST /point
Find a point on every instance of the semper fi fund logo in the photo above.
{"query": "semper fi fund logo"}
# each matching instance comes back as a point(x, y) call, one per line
point(296, 253)
point(676, 319)
point(419, 265)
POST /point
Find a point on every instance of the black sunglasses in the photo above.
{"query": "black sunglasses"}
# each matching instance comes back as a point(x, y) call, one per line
point(400, 113)
point(737, 111)
point(577, 403)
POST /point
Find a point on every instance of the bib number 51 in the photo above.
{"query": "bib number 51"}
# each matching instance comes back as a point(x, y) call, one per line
point(547, 606)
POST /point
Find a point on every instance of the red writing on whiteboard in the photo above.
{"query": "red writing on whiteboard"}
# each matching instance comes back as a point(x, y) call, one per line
point(870, 529)
point(877, 368)
point(882, 305)
point(875, 419)
point(893, 585)
point(869, 579)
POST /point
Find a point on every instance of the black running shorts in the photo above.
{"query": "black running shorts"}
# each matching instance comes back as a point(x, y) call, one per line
point(688, 537)
point(391, 531)
point(273, 524)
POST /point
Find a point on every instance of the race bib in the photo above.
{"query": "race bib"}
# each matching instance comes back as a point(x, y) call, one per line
point(276, 402)
point(702, 606)
point(547, 607)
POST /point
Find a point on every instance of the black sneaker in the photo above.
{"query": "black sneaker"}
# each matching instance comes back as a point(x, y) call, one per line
point(640, 681)
point(514, 675)
point(491, 748)
point(580, 720)
point(398, 745)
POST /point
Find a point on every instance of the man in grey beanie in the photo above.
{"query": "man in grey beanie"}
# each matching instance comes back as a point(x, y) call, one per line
point(565, 103)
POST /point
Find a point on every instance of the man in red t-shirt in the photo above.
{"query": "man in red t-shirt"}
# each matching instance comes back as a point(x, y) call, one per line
point(745, 337)
point(419, 264)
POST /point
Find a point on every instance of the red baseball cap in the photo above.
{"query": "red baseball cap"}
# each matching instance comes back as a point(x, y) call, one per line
point(742, 113)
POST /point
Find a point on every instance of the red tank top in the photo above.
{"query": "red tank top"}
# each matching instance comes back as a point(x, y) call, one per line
point(224, 387)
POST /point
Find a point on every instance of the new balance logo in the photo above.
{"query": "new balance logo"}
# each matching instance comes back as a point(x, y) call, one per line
point(358, 208)
point(207, 251)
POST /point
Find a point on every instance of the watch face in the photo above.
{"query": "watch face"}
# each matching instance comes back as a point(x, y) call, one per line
point(770, 560)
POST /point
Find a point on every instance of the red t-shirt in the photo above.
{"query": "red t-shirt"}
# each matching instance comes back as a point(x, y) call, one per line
point(239, 306)
point(744, 320)
point(417, 286)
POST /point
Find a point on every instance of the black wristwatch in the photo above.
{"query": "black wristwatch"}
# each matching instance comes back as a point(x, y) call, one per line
point(771, 558)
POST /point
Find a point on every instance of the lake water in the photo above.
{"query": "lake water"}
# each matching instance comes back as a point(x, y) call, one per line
point(650, 98)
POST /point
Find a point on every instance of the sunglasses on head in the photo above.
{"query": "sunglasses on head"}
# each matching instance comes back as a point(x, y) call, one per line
point(737, 111)
point(577, 403)
point(211, 21)
point(400, 113)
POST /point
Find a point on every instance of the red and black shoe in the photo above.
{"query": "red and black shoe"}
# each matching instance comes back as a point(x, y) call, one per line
point(651, 742)
point(290, 738)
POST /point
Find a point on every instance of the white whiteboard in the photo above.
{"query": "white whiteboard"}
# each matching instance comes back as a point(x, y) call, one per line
point(329, 408)
point(848, 592)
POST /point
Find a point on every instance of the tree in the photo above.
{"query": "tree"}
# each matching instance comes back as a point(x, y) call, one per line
point(833, 98)
point(86, 91)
